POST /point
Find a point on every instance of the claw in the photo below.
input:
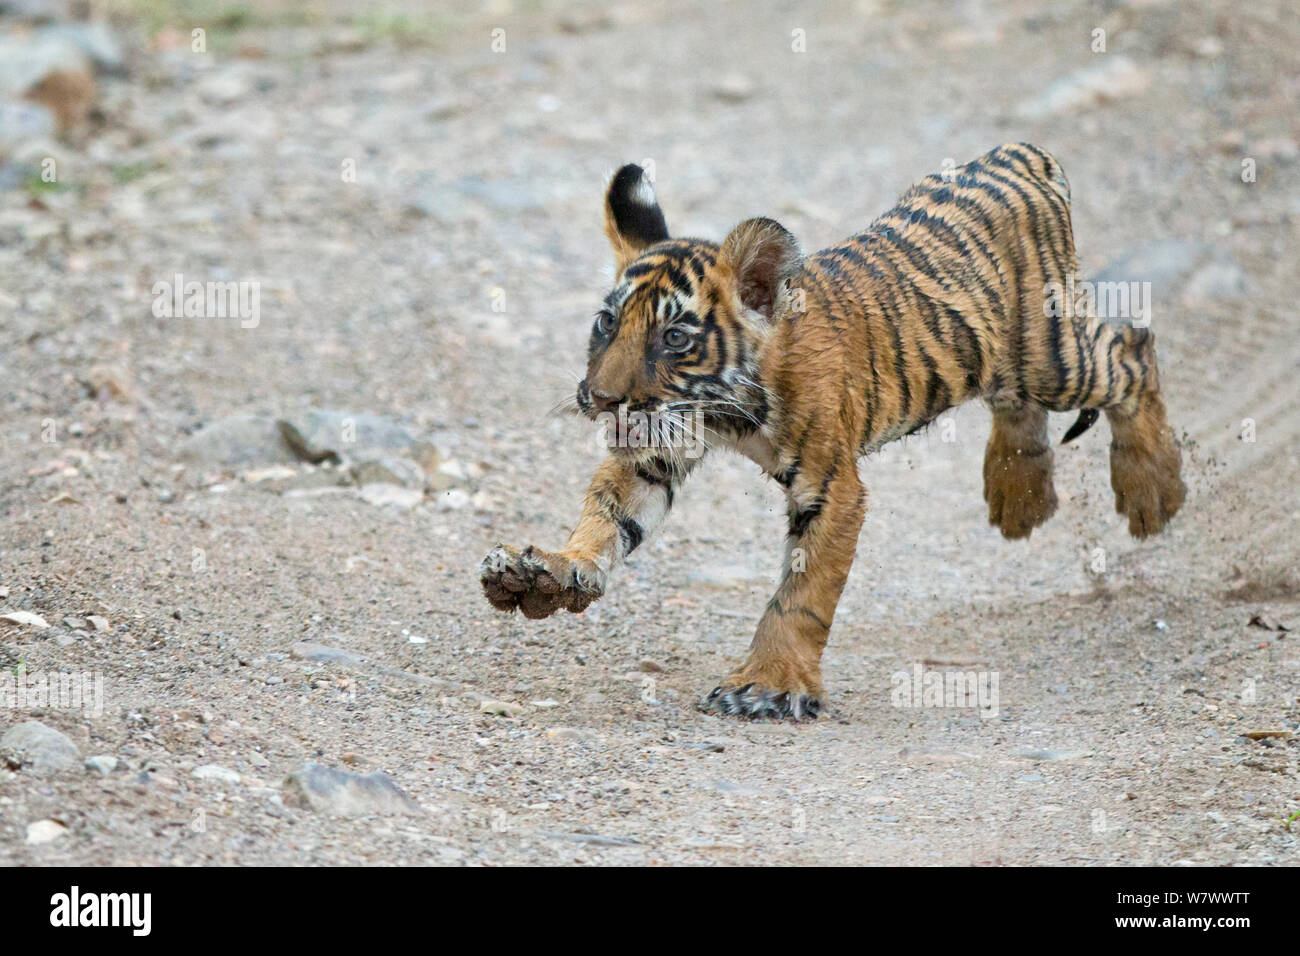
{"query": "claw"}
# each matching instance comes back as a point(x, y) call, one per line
point(535, 582)
point(760, 703)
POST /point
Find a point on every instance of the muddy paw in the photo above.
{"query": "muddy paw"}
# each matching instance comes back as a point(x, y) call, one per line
point(762, 703)
point(1148, 487)
point(1019, 491)
point(538, 582)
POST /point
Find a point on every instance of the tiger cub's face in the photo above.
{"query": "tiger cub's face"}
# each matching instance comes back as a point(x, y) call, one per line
point(672, 359)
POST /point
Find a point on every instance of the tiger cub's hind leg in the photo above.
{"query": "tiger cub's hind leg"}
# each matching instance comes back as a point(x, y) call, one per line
point(1145, 461)
point(1018, 468)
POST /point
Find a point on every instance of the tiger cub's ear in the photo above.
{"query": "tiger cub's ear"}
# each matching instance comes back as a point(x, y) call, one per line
point(633, 219)
point(762, 254)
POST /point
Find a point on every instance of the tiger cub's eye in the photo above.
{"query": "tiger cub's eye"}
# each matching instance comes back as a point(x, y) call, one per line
point(677, 339)
point(605, 323)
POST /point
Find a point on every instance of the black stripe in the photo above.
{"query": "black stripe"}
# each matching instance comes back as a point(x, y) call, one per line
point(891, 289)
point(631, 533)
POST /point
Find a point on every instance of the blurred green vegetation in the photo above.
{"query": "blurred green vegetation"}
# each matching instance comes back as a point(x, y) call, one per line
point(414, 26)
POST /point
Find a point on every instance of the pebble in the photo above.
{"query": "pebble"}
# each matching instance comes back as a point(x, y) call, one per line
point(25, 618)
point(385, 495)
point(212, 771)
point(734, 88)
point(389, 471)
point(1045, 755)
point(502, 708)
point(45, 831)
point(34, 746)
point(97, 622)
point(102, 763)
point(564, 733)
point(237, 440)
point(307, 651)
point(337, 792)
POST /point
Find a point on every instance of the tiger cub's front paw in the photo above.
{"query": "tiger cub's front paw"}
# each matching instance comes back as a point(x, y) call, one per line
point(539, 582)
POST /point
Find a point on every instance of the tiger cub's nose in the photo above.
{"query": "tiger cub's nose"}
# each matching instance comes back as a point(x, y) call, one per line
point(604, 402)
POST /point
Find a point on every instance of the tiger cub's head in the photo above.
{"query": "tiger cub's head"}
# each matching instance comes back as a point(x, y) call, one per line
point(675, 343)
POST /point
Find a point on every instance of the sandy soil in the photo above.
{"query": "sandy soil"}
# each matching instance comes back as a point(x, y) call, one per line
point(449, 288)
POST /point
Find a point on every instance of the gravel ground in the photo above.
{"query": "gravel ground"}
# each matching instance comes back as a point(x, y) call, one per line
point(422, 215)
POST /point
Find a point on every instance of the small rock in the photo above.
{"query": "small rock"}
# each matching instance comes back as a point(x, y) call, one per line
point(502, 708)
point(75, 623)
point(257, 760)
point(1209, 47)
point(385, 495)
point(224, 87)
point(274, 473)
point(307, 651)
point(237, 440)
point(734, 88)
point(343, 793)
point(24, 618)
point(564, 733)
point(42, 749)
point(108, 381)
point(45, 831)
point(102, 763)
point(453, 499)
point(97, 622)
point(389, 471)
point(1267, 622)
point(356, 435)
point(584, 20)
point(1048, 755)
point(212, 771)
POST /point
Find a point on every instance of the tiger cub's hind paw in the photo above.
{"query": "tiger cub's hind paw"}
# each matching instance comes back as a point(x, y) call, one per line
point(538, 582)
point(1148, 485)
point(1018, 488)
point(762, 703)
point(1145, 466)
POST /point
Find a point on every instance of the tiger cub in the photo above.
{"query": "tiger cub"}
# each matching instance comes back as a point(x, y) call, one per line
point(806, 363)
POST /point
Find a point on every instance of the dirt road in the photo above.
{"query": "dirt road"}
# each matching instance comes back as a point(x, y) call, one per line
point(419, 211)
